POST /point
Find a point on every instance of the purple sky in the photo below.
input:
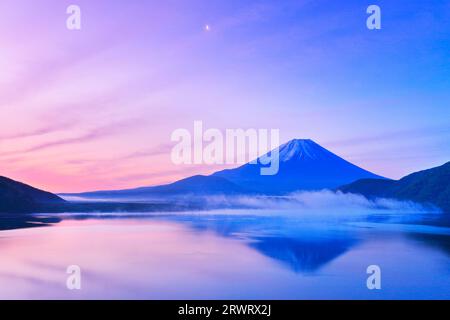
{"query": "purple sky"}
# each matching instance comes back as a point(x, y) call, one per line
point(95, 108)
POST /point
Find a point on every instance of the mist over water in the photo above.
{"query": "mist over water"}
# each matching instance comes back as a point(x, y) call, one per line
point(324, 200)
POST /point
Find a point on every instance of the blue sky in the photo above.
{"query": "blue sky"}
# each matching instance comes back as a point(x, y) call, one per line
point(113, 92)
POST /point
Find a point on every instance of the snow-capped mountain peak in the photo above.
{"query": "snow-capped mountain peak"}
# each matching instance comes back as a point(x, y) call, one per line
point(300, 149)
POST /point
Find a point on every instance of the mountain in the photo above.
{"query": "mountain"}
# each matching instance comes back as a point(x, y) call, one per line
point(196, 185)
point(18, 197)
point(429, 186)
point(304, 165)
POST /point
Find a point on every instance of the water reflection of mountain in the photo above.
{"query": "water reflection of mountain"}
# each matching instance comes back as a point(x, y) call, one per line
point(302, 246)
point(300, 255)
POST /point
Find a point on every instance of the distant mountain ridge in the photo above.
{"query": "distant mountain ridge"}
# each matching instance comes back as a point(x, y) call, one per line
point(195, 185)
point(430, 186)
point(304, 165)
point(19, 197)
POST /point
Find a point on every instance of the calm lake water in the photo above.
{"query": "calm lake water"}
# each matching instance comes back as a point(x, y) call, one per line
point(227, 255)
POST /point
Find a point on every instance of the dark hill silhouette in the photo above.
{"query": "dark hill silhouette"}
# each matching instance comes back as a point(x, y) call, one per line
point(430, 186)
point(19, 197)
